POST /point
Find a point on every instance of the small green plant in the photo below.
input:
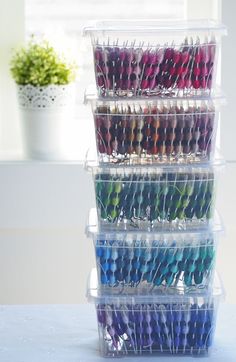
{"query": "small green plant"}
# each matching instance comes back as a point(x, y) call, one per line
point(39, 64)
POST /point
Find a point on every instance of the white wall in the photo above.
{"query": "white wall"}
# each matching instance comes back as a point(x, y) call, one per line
point(228, 81)
point(45, 256)
point(203, 9)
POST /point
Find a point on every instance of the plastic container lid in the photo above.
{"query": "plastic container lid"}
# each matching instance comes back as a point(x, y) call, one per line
point(155, 26)
point(217, 98)
point(96, 295)
point(215, 226)
point(92, 165)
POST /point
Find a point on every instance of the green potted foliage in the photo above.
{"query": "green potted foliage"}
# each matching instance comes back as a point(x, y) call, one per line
point(46, 94)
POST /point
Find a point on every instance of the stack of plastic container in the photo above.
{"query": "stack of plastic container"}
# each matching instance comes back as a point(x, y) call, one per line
point(155, 230)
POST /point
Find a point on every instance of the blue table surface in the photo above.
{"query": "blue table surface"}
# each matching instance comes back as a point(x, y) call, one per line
point(56, 333)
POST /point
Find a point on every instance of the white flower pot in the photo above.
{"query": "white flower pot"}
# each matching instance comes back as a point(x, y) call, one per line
point(47, 116)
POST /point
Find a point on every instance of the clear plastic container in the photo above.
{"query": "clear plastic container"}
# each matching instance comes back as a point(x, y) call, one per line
point(141, 131)
point(150, 261)
point(153, 198)
point(155, 57)
point(172, 324)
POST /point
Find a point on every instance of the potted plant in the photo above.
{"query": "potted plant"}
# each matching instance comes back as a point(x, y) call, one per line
point(46, 95)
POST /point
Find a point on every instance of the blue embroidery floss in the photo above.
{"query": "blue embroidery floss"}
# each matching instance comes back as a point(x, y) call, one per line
point(150, 261)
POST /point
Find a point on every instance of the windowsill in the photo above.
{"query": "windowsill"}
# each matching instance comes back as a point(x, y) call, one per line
point(18, 158)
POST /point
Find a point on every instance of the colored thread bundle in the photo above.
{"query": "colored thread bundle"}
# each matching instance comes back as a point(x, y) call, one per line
point(157, 265)
point(154, 197)
point(127, 69)
point(165, 328)
point(171, 133)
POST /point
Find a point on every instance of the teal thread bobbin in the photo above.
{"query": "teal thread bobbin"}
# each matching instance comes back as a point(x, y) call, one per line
point(156, 264)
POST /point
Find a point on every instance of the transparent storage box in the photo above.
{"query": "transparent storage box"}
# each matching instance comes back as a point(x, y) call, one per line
point(171, 324)
point(141, 131)
point(155, 57)
point(147, 261)
point(145, 197)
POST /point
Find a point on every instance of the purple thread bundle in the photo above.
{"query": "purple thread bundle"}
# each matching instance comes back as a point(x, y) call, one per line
point(139, 70)
point(147, 328)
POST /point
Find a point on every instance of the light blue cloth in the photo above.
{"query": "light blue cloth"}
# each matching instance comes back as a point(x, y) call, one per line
point(68, 333)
